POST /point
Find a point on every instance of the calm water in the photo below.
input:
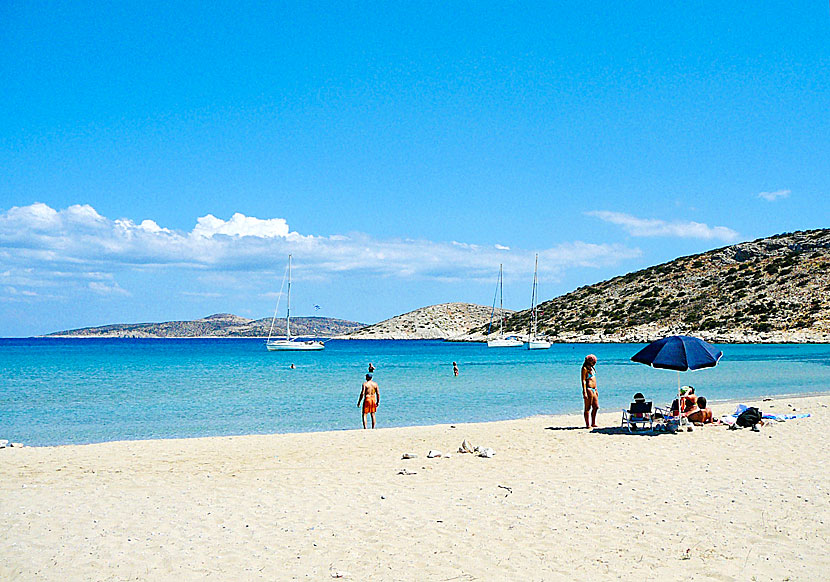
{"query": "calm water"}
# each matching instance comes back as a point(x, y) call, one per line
point(60, 391)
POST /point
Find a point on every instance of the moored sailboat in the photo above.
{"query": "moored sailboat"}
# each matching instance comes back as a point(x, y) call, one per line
point(501, 341)
point(287, 344)
point(533, 342)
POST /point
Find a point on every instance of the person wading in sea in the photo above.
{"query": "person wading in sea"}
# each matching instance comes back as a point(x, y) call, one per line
point(370, 395)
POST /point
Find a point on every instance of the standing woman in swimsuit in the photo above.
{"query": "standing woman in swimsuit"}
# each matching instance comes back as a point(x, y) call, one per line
point(589, 390)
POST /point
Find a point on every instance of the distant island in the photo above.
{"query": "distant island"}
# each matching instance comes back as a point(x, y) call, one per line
point(444, 321)
point(771, 290)
point(218, 325)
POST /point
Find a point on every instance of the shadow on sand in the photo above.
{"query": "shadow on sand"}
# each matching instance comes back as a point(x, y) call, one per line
point(621, 430)
point(613, 430)
point(565, 428)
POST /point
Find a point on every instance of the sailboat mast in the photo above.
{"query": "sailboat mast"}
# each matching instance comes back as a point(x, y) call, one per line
point(501, 300)
point(493, 311)
point(288, 303)
point(533, 317)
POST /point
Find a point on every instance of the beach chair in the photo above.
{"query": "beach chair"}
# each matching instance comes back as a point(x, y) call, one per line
point(639, 414)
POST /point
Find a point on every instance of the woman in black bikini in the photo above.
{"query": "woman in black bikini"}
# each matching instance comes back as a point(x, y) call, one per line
point(589, 390)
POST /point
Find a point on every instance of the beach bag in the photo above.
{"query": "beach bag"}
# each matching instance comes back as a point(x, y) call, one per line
point(749, 417)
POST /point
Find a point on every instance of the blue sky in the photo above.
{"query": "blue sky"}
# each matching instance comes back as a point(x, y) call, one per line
point(160, 160)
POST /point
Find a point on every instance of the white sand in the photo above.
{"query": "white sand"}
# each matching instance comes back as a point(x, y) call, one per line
point(708, 505)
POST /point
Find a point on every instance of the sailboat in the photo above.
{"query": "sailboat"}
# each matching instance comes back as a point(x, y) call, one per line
point(501, 341)
point(534, 343)
point(287, 344)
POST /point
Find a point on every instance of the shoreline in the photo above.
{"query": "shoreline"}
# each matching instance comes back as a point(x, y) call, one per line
point(555, 502)
point(574, 413)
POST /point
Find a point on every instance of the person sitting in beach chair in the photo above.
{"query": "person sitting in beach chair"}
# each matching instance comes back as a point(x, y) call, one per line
point(700, 414)
point(688, 398)
point(688, 401)
point(639, 413)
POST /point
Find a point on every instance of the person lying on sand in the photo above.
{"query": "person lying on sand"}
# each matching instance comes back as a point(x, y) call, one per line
point(700, 414)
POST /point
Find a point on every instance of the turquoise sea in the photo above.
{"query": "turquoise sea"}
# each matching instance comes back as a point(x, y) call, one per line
point(62, 391)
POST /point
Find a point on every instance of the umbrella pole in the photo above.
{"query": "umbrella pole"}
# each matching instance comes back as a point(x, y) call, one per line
point(679, 403)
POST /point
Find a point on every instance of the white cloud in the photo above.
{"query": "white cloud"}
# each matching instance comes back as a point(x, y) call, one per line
point(36, 216)
point(78, 248)
point(127, 225)
point(241, 225)
point(83, 214)
point(106, 288)
point(772, 196)
point(24, 292)
point(648, 227)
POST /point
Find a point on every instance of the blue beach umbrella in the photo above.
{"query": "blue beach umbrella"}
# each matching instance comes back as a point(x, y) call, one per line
point(681, 353)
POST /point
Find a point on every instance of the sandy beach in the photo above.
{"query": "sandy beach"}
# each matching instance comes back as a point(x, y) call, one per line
point(556, 502)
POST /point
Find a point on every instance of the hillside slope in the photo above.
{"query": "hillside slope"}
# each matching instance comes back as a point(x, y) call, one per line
point(219, 325)
point(774, 289)
point(442, 321)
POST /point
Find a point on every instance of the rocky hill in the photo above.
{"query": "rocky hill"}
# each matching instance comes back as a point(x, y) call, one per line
point(774, 289)
point(443, 321)
point(219, 325)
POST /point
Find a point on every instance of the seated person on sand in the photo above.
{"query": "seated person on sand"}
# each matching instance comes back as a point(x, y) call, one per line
point(700, 414)
point(688, 400)
point(639, 399)
point(688, 397)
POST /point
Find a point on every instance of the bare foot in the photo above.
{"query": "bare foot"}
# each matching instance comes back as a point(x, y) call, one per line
point(593, 426)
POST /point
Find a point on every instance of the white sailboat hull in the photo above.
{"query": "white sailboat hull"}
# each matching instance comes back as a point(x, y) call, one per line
point(501, 341)
point(293, 345)
point(538, 344)
point(287, 344)
point(504, 342)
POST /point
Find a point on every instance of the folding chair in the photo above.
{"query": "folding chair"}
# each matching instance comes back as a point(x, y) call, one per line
point(639, 413)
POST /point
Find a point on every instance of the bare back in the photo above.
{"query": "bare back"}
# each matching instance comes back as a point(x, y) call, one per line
point(370, 390)
point(701, 415)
